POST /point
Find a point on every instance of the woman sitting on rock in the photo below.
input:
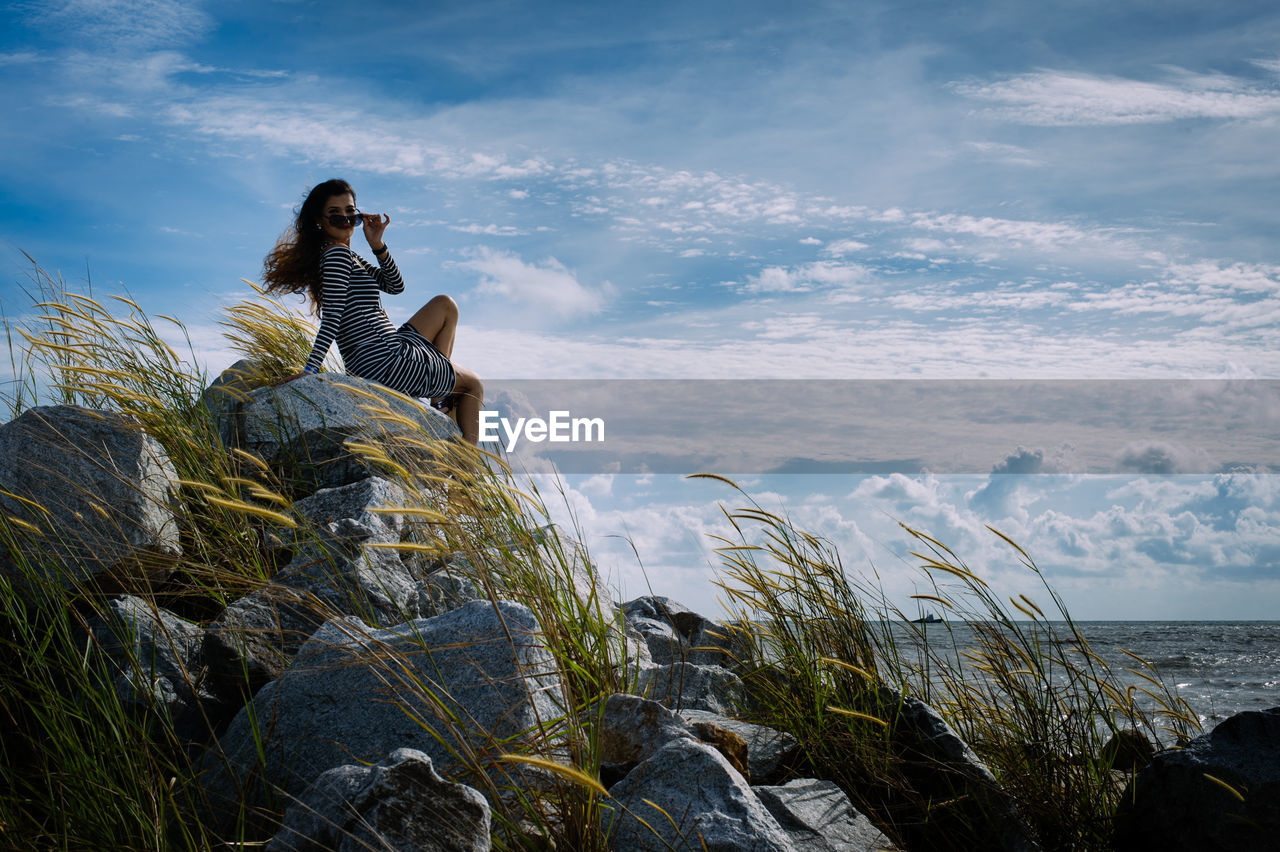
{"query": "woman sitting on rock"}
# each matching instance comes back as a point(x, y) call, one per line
point(315, 257)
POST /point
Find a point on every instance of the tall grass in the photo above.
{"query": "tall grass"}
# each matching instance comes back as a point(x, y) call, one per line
point(82, 770)
point(821, 648)
point(1025, 689)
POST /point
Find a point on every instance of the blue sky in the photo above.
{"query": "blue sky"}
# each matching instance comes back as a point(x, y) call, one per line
point(723, 190)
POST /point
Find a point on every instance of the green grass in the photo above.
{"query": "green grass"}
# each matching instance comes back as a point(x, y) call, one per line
point(1025, 691)
point(818, 641)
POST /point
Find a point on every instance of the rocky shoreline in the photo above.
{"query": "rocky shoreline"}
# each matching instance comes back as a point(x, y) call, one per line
point(366, 696)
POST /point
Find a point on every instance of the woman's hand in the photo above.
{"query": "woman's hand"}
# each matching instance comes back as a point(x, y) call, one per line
point(374, 225)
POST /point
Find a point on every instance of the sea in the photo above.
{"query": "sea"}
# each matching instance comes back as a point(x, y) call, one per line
point(1218, 667)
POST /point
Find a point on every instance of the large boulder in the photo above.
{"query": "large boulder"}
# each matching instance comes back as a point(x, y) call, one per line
point(972, 810)
point(476, 681)
point(156, 655)
point(682, 686)
point(664, 624)
point(1221, 791)
point(303, 428)
point(769, 751)
point(253, 640)
point(633, 728)
point(104, 488)
point(818, 817)
point(370, 502)
point(230, 390)
point(687, 796)
point(400, 804)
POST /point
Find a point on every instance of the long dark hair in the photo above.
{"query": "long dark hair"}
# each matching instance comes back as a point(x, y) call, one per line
point(293, 266)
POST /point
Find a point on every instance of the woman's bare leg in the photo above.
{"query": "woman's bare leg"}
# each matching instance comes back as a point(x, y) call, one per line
point(470, 391)
point(437, 321)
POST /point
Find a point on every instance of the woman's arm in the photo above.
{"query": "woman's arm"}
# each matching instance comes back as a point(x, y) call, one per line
point(387, 276)
point(335, 275)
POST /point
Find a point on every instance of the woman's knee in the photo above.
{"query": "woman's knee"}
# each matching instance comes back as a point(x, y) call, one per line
point(443, 305)
point(467, 381)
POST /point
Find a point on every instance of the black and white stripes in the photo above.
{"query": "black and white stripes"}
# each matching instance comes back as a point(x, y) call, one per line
point(371, 347)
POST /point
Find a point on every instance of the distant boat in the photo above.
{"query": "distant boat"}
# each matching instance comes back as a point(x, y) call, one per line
point(929, 618)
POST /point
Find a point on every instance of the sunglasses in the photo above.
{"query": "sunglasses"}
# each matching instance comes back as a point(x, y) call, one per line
point(338, 220)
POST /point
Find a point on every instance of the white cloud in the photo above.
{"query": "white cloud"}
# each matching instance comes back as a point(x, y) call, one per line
point(1004, 153)
point(1038, 234)
point(1058, 98)
point(490, 230)
point(840, 248)
point(125, 23)
point(807, 277)
point(549, 284)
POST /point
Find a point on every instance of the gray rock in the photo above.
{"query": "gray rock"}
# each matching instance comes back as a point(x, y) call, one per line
point(359, 501)
point(704, 802)
point(675, 633)
point(400, 805)
point(818, 816)
point(1175, 803)
point(978, 812)
point(1126, 750)
point(665, 646)
point(714, 643)
point(475, 680)
point(768, 751)
point(682, 686)
point(107, 487)
point(254, 638)
point(156, 654)
point(302, 428)
point(229, 391)
point(633, 728)
point(444, 591)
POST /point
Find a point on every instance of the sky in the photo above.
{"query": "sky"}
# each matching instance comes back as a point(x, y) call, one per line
point(808, 194)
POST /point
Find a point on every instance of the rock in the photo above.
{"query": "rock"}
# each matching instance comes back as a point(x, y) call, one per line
point(1178, 802)
point(229, 391)
point(444, 591)
point(683, 686)
point(1127, 750)
point(978, 812)
point(710, 804)
point(664, 644)
point(156, 654)
point(254, 638)
point(664, 624)
point(818, 816)
point(714, 643)
point(353, 695)
point(302, 428)
point(729, 744)
point(633, 728)
point(363, 501)
point(769, 752)
point(399, 804)
point(107, 487)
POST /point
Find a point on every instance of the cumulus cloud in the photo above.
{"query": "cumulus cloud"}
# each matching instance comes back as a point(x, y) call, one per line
point(1058, 98)
point(806, 277)
point(839, 248)
point(1163, 458)
point(490, 230)
point(548, 284)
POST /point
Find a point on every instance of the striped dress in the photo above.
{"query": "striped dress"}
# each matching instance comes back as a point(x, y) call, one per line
point(371, 347)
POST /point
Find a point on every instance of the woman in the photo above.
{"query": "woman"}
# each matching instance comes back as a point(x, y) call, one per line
point(315, 257)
